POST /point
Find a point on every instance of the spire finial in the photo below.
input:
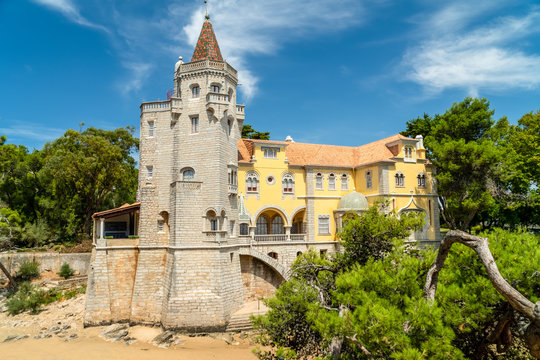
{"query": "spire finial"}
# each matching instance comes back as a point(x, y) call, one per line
point(206, 16)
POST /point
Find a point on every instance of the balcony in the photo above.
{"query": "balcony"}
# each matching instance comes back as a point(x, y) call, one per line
point(271, 238)
point(240, 112)
point(216, 235)
point(298, 237)
point(218, 98)
point(233, 189)
point(174, 105)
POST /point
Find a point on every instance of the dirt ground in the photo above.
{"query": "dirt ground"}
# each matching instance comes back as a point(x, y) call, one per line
point(57, 333)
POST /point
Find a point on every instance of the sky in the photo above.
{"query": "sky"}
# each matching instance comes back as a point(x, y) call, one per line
point(343, 72)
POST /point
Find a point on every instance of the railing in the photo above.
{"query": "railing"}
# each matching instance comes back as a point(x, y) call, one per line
point(190, 185)
point(271, 237)
point(201, 64)
point(213, 96)
point(240, 108)
point(233, 189)
point(216, 235)
point(298, 237)
point(156, 106)
point(176, 103)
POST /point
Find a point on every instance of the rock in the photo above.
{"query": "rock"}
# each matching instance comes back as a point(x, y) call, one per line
point(71, 337)
point(16, 337)
point(129, 340)
point(163, 340)
point(115, 332)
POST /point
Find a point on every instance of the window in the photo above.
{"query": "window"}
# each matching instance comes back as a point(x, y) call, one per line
point(299, 253)
point(270, 153)
point(400, 180)
point(323, 253)
point(231, 227)
point(331, 182)
point(262, 226)
point(318, 181)
point(273, 255)
point(194, 125)
point(214, 88)
point(213, 224)
point(344, 182)
point(277, 225)
point(150, 129)
point(421, 180)
point(288, 183)
point(232, 177)
point(252, 182)
point(408, 152)
point(195, 91)
point(149, 172)
point(160, 226)
point(244, 229)
point(324, 225)
point(188, 175)
point(369, 181)
point(229, 126)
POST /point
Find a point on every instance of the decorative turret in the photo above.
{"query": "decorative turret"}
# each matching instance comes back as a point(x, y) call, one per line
point(207, 45)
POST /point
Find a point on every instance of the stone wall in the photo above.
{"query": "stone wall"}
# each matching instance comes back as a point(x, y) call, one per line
point(258, 279)
point(48, 261)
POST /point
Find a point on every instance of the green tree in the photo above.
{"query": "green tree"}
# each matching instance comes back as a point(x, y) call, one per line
point(249, 133)
point(468, 149)
point(87, 170)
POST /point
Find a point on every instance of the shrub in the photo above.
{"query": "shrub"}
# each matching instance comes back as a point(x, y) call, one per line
point(66, 271)
point(29, 270)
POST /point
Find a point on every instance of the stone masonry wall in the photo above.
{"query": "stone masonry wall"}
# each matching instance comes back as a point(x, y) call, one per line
point(258, 279)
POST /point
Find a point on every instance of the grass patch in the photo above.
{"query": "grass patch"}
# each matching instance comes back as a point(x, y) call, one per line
point(29, 270)
point(66, 271)
point(30, 297)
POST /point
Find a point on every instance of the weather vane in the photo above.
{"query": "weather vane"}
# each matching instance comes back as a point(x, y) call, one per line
point(206, 16)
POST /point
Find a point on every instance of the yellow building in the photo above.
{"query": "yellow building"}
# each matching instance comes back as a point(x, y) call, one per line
point(298, 191)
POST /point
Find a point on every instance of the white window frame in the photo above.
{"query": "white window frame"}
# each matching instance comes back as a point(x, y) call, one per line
point(319, 177)
point(369, 179)
point(189, 178)
point(344, 182)
point(151, 128)
point(252, 178)
point(409, 153)
point(323, 228)
point(270, 152)
point(287, 184)
point(194, 124)
point(400, 179)
point(421, 178)
point(215, 88)
point(331, 181)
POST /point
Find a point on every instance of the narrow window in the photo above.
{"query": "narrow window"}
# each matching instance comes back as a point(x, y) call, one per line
point(215, 88)
point(229, 126)
point(421, 180)
point(160, 226)
point(188, 175)
point(369, 181)
point(231, 227)
point(244, 229)
point(400, 180)
point(195, 91)
point(344, 182)
point(277, 225)
point(273, 255)
point(149, 172)
point(262, 226)
point(287, 184)
point(429, 208)
point(194, 125)
point(150, 129)
point(319, 181)
point(408, 153)
point(252, 181)
point(213, 224)
point(331, 182)
point(324, 225)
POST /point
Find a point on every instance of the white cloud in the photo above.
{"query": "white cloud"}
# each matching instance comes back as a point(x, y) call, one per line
point(69, 10)
point(139, 72)
point(19, 130)
point(487, 57)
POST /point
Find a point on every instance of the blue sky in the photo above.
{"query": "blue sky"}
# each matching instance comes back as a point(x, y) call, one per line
point(326, 71)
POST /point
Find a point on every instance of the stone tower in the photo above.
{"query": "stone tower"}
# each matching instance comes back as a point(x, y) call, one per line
point(185, 268)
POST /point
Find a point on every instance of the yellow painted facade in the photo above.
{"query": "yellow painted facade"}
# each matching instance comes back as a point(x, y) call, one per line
point(312, 201)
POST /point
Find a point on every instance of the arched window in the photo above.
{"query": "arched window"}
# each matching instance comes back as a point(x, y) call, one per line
point(214, 88)
point(369, 180)
point(344, 182)
point(408, 153)
point(262, 226)
point(252, 182)
point(244, 229)
point(331, 181)
point(287, 183)
point(273, 255)
point(400, 179)
point(212, 220)
point(195, 91)
point(188, 174)
point(277, 225)
point(421, 180)
point(299, 253)
point(319, 181)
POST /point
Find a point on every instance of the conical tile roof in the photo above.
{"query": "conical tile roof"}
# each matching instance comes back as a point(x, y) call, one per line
point(207, 45)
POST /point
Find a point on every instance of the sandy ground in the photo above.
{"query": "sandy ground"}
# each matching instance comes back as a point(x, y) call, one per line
point(89, 345)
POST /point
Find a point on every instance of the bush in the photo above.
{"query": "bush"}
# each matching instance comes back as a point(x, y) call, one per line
point(29, 270)
point(29, 297)
point(66, 271)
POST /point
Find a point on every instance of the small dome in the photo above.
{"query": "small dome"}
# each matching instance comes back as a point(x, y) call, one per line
point(353, 201)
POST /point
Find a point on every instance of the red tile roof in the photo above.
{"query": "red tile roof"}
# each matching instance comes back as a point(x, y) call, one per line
point(207, 45)
point(124, 209)
point(328, 155)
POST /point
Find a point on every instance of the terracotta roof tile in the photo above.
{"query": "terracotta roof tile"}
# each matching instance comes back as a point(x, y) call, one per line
point(328, 155)
point(124, 209)
point(207, 45)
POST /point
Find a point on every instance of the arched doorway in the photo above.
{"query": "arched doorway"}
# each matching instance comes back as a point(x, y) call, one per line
point(298, 228)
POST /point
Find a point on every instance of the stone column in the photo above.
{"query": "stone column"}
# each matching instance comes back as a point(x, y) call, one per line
point(310, 205)
point(288, 232)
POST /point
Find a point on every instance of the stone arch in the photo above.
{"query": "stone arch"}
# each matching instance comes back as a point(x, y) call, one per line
point(270, 262)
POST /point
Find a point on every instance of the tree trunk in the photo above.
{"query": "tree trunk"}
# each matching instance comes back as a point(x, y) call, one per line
point(514, 297)
point(8, 275)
